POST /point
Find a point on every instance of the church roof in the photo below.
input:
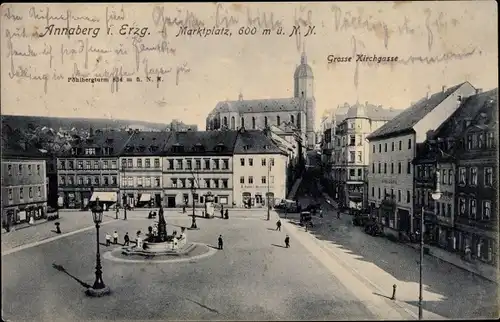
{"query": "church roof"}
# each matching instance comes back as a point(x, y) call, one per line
point(260, 105)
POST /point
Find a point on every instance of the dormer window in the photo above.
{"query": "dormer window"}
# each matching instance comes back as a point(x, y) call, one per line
point(141, 148)
point(220, 147)
point(177, 148)
point(246, 147)
point(129, 148)
point(198, 147)
point(153, 148)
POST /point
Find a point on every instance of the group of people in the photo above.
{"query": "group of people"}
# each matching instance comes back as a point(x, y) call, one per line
point(126, 239)
point(287, 238)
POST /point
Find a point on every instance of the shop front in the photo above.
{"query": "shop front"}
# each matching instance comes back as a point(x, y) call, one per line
point(247, 200)
point(18, 214)
point(404, 220)
point(388, 213)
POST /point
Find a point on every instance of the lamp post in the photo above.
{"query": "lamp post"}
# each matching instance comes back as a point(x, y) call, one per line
point(124, 193)
point(99, 288)
point(436, 195)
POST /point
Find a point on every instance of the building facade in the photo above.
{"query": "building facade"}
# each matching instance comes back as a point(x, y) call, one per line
point(141, 169)
point(393, 148)
point(198, 166)
point(349, 152)
point(24, 189)
point(259, 171)
point(298, 110)
point(91, 170)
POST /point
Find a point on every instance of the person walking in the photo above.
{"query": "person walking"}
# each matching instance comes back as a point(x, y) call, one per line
point(278, 225)
point(221, 242)
point(222, 213)
point(108, 239)
point(287, 241)
point(115, 237)
point(227, 214)
point(126, 240)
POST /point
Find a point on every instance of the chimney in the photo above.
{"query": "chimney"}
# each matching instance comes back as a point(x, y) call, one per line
point(444, 88)
point(427, 95)
point(479, 90)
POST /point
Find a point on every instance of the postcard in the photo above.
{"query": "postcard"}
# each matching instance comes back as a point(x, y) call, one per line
point(249, 161)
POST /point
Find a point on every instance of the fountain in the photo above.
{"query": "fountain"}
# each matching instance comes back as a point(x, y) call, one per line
point(160, 243)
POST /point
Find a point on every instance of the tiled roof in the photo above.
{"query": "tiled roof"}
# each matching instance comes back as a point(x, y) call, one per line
point(115, 140)
point(255, 142)
point(409, 117)
point(201, 142)
point(146, 143)
point(261, 105)
point(13, 145)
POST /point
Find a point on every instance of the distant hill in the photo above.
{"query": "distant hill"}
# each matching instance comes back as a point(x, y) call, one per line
point(27, 122)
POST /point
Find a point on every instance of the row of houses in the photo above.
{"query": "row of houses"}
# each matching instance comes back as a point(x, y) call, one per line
point(241, 168)
point(453, 131)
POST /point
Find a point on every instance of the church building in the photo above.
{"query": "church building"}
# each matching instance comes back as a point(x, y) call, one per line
point(298, 110)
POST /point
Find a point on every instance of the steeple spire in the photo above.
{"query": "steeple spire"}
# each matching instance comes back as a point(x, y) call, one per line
point(303, 58)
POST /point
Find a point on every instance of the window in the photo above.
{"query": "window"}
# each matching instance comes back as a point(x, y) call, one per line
point(96, 180)
point(250, 180)
point(271, 160)
point(70, 180)
point(373, 167)
point(250, 162)
point(263, 162)
point(157, 162)
point(462, 176)
point(444, 176)
point(10, 194)
point(216, 183)
point(443, 209)
point(39, 191)
point(379, 192)
point(292, 120)
point(62, 165)
point(157, 181)
point(448, 209)
point(253, 123)
point(182, 183)
point(80, 180)
point(352, 140)
point(400, 145)
point(30, 192)
point(352, 172)
point(130, 163)
point(207, 164)
point(139, 182)
point(113, 164)
point(400, 167)
point(170, 164)
point(174, 183)
point(263, 179)
point(473, 176)
point(409, 144)
point(360, 156)
point(189, 164)
point(490, 140)
point(486, 210)
point(278, 121)
point(379, 167)
point(62, 181)
point(472, 209)
point(392, 193)
point(373, 148)
point(408, 167)
point(139, 163)
point(225, 121)
point(148, 163)
point(106, 181)
point(488, 177)
point(179, 165)
point(360, 172)
point(30, 172)
point(469, 142)
point(197, 165)
point(399, 195)
point(450, 176)
point(9, 169)
point(360, 140)
point(20, 172)
point(352, 156)
point(373, 191)
point(224, 183)
point(96, 165)
point(385, 147)
point(461, 206)
point(242, 162)
point(233, 123)
point(480, 141)
point(392, 168)
point(216, 164)
point(242, 180)
point(385, 167)
point(380, 148)
point(88, 181)
point(265, 121)
point(392, 146)
point(408, 196)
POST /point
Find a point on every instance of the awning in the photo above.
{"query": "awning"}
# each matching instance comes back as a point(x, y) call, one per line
point(104, 196)
point(145, 197)
point(356, 197)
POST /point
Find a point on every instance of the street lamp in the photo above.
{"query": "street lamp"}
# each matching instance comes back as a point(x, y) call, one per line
point(124, 166)
point(436, 195)
point(268, 192)
point(98, 289)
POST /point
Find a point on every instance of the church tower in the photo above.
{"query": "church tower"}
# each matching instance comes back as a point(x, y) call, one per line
point(304, 88)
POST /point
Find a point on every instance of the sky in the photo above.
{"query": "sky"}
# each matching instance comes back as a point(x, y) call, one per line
point(437, 44)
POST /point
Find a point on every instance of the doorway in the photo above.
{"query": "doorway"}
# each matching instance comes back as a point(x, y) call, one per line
point(170, 201)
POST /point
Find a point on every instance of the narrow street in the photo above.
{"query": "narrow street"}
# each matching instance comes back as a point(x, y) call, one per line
point(381, 263)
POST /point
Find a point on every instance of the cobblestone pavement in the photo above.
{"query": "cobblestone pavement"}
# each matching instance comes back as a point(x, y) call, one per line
point(253, 278)
point(448, 290)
